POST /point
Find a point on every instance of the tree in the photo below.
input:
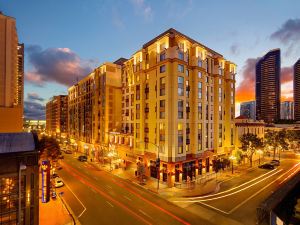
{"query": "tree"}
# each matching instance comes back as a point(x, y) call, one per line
point(250, 142)
point(271, 140)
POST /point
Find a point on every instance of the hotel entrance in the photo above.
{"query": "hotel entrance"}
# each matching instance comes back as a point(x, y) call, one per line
point(188, 170)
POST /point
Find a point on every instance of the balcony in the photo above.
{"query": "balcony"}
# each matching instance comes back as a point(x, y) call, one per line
point(188, 109)
point(146, 129)
point(146, 139)
point(146, 109)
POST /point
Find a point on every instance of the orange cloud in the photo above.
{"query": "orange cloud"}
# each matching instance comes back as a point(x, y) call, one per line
point(246, 89)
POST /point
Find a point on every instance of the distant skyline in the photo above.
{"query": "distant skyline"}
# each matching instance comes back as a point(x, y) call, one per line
point(65, 40)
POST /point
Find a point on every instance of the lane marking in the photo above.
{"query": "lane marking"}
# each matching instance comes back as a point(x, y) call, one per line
point(145, 214)
point(127, 198)
point(110, 204)
point(206, 196)
point(84, 208)
point(243, 202)
point(92, 190)
point(253, 195)
point(232, 193)
point(210, 206)
point(74, 172)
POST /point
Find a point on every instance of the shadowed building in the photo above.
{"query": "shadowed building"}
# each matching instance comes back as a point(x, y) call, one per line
point(287, 110)
point(297, 90)
point(267, 91)
point(11, 76)
point(248, 109)
point(19, 179)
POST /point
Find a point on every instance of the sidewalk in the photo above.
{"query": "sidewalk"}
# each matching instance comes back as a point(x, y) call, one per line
point(54, 213)
point(204, 185)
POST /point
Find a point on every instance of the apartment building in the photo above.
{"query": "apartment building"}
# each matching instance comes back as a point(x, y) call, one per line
point(267, 91)
point(57, 116)
point(178, 104)
point(95, 110)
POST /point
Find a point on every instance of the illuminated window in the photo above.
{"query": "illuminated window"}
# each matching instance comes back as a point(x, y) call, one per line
point(162, 68)
point(180, 68)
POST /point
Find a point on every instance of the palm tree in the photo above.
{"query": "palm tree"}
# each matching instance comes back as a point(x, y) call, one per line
point(250, 142)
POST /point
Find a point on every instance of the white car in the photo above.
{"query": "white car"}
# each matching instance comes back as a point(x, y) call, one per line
point(58, 182)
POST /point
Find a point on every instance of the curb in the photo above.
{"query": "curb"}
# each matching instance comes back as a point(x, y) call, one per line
point(70, 211)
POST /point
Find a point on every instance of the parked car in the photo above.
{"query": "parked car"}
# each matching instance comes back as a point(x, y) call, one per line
point(58, 167)
point(267, 166)
point(275, 162)
point(58, 182)
point(68, 152)
point(82, 158)
point(54, 175)
point(53, 195)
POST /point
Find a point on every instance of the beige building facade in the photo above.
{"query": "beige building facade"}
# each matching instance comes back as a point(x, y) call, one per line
point(178, 104)
point(11, 77)
point(95, 110)
point(57, 116)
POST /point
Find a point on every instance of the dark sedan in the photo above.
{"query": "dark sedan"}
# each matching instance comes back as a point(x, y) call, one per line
point(267, 166)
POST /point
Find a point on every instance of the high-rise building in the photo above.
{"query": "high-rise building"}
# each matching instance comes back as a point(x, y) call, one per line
point(57, 116)
point(248, 109)
point(297, 90)
point(95, 110)
point(287, 110)
point(11, 81)
point(20, 76)
point(267, 91)
point(178, 104)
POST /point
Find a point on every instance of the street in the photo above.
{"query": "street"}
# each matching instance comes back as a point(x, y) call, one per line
point(239, 197)
point(97, 197)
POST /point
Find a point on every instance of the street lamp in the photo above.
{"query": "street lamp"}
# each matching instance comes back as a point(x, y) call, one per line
point(157, 163)
point(21, 167)
point(232, 157)
point(260, 152)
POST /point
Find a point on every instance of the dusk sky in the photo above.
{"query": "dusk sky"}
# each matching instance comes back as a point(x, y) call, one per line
point(65, 40)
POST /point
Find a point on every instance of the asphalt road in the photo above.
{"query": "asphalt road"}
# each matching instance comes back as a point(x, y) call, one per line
point(238, 198)
point(97, 197)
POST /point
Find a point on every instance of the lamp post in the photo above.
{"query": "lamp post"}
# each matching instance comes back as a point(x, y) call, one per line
point(259, 151)
point(157, 163)
point(21, 167)
point(232, 157)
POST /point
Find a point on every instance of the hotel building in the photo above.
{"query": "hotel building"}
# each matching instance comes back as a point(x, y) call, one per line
point(95, 110)
point(11, 76)
point(267, 90)
point(57, 116)
point(178, 104)
point(297, 90)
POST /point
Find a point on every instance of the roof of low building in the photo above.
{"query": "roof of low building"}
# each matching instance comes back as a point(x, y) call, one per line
point(241, 117)
point(16, 142)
